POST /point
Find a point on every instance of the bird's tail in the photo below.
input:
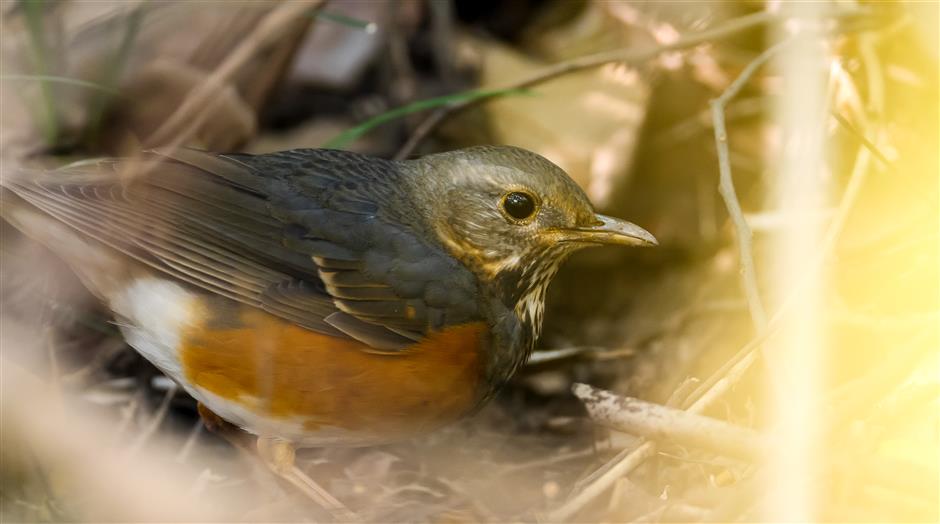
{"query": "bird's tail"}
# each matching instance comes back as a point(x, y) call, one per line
point(99, 267)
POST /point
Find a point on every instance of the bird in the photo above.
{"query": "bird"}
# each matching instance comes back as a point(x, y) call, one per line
point(317, 297)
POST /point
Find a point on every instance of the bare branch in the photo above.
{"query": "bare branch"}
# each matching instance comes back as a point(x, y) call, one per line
point(729, 195)
point(628, 459)
point(746, 356)
point(185, 121)
point(625, 462)
point(658, 422)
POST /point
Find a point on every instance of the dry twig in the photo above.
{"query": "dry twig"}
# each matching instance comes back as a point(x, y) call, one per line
point(659, 422)
point(628, 459)
point(729, 195)
point(625, 462)
point(197, 106)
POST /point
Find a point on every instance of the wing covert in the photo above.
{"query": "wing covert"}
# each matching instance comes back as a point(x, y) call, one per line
point(300, 234)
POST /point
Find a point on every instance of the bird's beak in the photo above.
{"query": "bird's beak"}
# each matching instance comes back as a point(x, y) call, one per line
point(610, 230)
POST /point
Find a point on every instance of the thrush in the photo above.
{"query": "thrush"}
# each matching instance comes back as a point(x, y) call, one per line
point(321, 297)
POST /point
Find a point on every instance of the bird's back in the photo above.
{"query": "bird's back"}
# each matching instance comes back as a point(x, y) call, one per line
point(279, 290)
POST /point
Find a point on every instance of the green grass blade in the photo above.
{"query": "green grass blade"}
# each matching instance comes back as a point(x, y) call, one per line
point(352, 134)
point(348, 21)
point(49, 119)
point(112, 75)
point(61, 80)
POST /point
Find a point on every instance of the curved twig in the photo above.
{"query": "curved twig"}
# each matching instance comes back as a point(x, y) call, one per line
point(726, 186)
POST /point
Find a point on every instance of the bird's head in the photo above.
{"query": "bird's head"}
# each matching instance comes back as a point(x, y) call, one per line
point(512, 217)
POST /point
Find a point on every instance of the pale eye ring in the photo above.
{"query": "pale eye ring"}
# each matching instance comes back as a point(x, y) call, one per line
point(519, 205)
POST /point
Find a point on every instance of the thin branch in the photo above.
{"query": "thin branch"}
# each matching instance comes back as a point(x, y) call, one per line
point(553, 355)
point(875, 84)
point(549, 460)
point(658, 422)
point(726, 381)
point(628, 459)
point(729, 195)
point(186, 120)
point(625, 462)
point(631, 55)
point(423, 130)
point(717, 383)
point(746, 356)
point(872, 148)
point(201, 100)
point(591, 352)
point(850, 196)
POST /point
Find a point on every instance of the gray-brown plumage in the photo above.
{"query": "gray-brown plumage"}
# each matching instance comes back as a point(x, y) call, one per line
point(384, 253)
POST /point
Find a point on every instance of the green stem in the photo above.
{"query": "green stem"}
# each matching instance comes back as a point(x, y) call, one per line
point(49, 120)
point(112, 74)
point(60, 80)
point(348, 21)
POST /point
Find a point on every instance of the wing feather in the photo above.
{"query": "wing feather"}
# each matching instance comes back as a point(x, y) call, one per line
point(300, 234)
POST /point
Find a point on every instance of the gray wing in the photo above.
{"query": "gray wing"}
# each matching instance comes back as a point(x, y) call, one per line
point(299, 234)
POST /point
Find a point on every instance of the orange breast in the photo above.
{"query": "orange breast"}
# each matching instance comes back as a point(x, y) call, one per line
point(277, 369)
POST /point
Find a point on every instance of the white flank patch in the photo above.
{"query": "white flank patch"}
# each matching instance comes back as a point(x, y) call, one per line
point(153, 313)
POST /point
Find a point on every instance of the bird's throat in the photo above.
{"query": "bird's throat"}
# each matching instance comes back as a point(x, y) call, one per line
point(529, 310)
point(527, 297)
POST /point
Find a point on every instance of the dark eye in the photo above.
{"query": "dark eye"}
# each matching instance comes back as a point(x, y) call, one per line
point(519, 205)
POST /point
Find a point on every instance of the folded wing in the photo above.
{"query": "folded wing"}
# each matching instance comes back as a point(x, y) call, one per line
point(300, 234)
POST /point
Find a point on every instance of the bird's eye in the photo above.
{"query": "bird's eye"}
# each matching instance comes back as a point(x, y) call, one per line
point(518, 205)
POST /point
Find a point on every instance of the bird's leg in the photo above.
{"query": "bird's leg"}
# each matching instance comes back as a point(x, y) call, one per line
point(278, 454)
point(243, 443)
point(231, 433)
